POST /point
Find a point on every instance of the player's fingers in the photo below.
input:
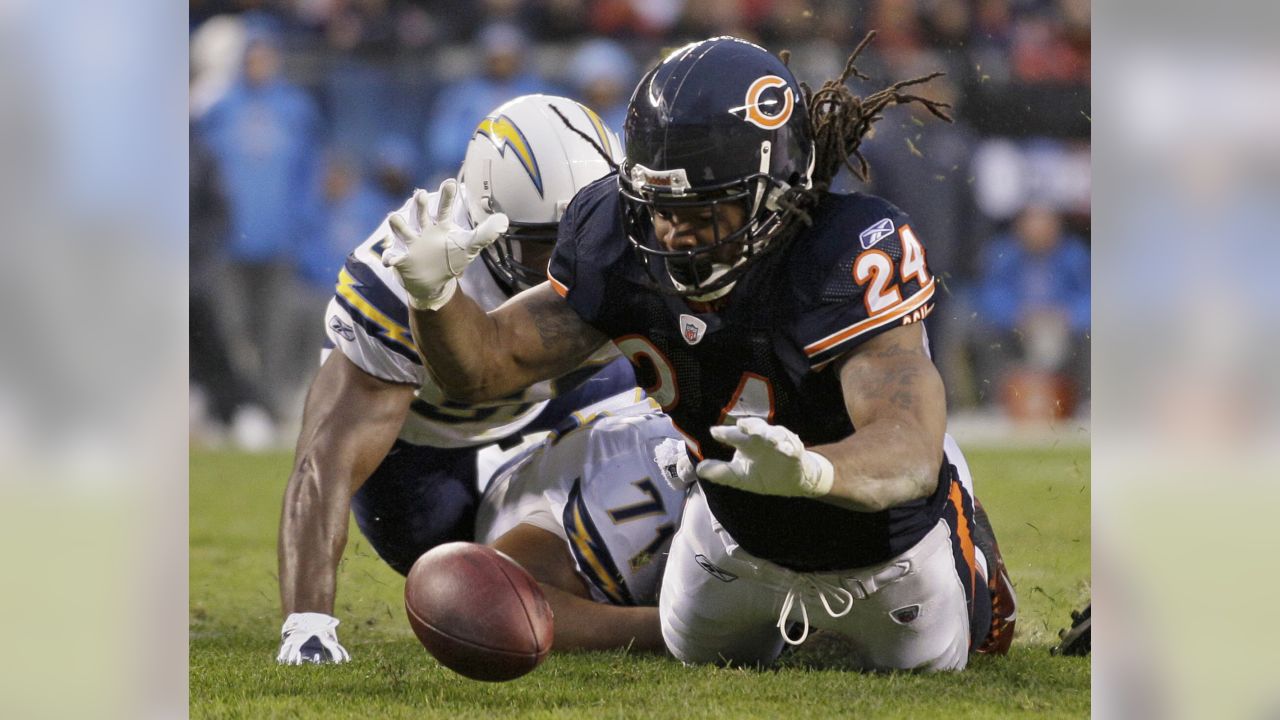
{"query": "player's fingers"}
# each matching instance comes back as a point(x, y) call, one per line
point(401, 230)
point(719, 471)
point(421, 200)
point(394, 255)
point(778, 437)
point(448, 193)
point(730, 435)
point(488, 231)
point(754, 426)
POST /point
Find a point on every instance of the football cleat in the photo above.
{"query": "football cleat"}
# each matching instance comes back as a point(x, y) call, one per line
point(1076, 640)
point(1004, 602)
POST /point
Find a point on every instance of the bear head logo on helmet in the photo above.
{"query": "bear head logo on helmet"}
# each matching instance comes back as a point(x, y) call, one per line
point(718, 123)
point(524, 161)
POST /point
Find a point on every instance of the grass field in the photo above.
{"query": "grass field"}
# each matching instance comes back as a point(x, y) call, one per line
point(1038, 501)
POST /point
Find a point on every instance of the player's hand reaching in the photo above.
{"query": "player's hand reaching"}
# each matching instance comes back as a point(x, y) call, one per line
point(770, 460)
point(310, 638)
point(428, 259)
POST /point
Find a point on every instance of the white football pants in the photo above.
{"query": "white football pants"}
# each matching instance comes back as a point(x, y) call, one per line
point(719, 604)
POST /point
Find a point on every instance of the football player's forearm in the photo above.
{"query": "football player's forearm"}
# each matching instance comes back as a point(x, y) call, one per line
point(476, 356)
point(881, 466)
point(449, 340)
point(313, 535)
point(897, 403)
point(588, 625)
point(581, 623)
point(349, 422)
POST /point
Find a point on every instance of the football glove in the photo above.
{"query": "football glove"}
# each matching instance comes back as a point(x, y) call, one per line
point(673, 460)
point(310, 638)
point(428, 259)
point(769, 460)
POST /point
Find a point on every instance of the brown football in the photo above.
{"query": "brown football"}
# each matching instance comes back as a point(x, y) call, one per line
point(478, 612)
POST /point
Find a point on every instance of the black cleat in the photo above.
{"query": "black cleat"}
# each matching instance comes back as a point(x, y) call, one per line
point(1077, 639)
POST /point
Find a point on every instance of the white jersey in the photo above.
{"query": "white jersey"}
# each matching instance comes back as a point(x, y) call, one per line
point(368, 320)
point(599, 488)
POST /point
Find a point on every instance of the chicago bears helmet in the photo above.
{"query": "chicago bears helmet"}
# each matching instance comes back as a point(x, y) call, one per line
point(719, 121)
point(523, 161)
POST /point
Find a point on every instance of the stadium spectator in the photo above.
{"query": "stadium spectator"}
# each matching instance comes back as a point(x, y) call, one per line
point(217, 48)
point(1034, 308)
point(1046, 49)
point(263, 135)
point(505, 74)
point(559, 20)
point(925, 165)
point(720, 17)
point(221, 398)
point(635, 18)
point(604, 75)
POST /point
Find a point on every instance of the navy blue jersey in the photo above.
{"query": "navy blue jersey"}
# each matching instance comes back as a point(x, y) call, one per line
point(859, 271)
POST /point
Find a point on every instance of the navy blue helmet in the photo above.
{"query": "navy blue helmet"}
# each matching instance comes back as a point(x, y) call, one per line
point(720, 121)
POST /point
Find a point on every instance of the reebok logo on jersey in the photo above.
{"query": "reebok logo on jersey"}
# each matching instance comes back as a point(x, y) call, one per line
point(341, 328)
point(692, 329)
point(876, 233)
point(717, 573)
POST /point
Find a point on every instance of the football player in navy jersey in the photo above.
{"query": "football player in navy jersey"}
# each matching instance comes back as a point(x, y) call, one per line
point(379, 439)
point(781, 327)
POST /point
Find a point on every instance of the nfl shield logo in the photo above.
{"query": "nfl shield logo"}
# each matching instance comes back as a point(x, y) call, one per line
point(692, 328)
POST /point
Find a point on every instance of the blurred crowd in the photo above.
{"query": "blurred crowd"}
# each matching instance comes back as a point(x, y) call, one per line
point(312, 119)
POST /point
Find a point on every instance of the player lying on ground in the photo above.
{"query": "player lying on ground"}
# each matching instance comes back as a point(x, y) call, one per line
point(590, 515)
point(378, 436)
point(770, 318)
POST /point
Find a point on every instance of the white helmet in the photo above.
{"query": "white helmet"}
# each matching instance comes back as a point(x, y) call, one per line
point(523, 161)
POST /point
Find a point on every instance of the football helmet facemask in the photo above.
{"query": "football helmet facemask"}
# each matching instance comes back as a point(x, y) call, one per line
point(523, 161)
point(719, 122)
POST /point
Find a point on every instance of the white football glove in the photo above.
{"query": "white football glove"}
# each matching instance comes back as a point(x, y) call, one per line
point(428, 259)
point(310, 638)
point(673, 460)
point(770, 460)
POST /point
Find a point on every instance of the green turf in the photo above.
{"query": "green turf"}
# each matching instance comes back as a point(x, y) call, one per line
point(1038, 501)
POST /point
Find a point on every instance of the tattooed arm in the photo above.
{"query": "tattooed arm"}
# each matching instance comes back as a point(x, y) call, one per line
point(895, 398)
point(477, 356)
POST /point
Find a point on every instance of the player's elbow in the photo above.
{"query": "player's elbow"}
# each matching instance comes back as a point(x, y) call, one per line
point(465, 388)
point(912, 481)
point(469, 392)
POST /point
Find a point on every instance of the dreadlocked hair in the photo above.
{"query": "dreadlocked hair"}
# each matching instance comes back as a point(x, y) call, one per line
point(607, 158)
point(840, 120)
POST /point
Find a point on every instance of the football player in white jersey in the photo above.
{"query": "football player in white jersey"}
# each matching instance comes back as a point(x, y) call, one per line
point(590, 512)
point(379, 438)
